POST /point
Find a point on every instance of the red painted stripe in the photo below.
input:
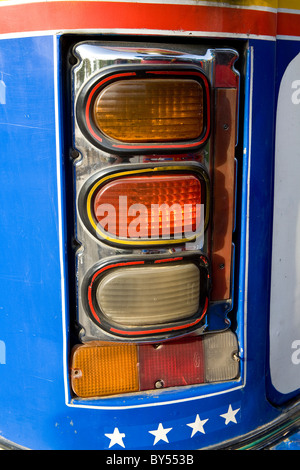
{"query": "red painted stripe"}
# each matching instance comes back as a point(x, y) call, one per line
point(92, 306)
point(152, 332)
point(167, 260)
point(97, 15)
point(288, 24)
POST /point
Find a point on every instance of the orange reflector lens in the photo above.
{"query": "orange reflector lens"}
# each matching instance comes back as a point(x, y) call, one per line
point(151, 207)
point(150, 110)
point(99, 369)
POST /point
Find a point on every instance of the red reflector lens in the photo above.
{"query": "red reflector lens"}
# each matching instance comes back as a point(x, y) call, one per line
point(172, 364)
point(150, 206)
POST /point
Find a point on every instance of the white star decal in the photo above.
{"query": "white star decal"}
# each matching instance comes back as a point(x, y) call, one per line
point(197, 426)
point(230, 415)
point(116, 438)
point(160, 434)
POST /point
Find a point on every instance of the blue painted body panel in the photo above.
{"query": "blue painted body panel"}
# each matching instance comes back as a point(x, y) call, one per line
point(286, 51)
point(290, 443)
point(36, 410)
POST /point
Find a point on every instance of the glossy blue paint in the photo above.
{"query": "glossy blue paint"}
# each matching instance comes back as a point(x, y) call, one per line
point(31, 297)
point(286, 51)
point(290, 443)
point(36, 409)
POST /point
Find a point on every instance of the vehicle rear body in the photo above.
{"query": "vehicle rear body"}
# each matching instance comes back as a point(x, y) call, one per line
point(241, 329)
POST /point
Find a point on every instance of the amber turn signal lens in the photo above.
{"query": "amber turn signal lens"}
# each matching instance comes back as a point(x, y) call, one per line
point(150, 110)
point(99, 369)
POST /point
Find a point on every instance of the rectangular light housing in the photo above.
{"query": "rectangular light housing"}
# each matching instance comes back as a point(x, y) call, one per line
point(103, 369)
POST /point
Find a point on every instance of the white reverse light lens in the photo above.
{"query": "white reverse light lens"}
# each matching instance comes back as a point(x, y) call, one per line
point(149, 295)
point(221, 356)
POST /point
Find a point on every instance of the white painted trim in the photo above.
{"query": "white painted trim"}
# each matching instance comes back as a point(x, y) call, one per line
point(139, 32)
point(248, 209)
point(290, 11)
point(60, 219)
point(156, 403)
point(287, 38)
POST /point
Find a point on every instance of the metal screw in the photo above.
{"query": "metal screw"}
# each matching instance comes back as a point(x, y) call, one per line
point(76, 373)
point(159, 384)
point(74, 153)
point(235, 357)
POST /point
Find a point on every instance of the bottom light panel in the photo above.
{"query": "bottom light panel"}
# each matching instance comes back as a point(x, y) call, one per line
point(101, 369)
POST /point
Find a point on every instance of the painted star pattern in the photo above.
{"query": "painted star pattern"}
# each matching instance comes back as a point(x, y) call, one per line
point(230, 415)
point(116, 438)
point(197, 426)
point(162, 433)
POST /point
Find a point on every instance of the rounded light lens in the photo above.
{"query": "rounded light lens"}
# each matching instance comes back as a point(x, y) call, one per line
point(150, 110)
point(150, 207)
point(149, 295)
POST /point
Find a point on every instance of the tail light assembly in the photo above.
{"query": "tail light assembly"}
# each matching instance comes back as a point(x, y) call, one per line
point(154, 180)
point(104, 368)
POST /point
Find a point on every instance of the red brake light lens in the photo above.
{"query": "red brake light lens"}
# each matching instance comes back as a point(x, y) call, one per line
point(171, 364)
point(148, 206)
point(141, 192)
